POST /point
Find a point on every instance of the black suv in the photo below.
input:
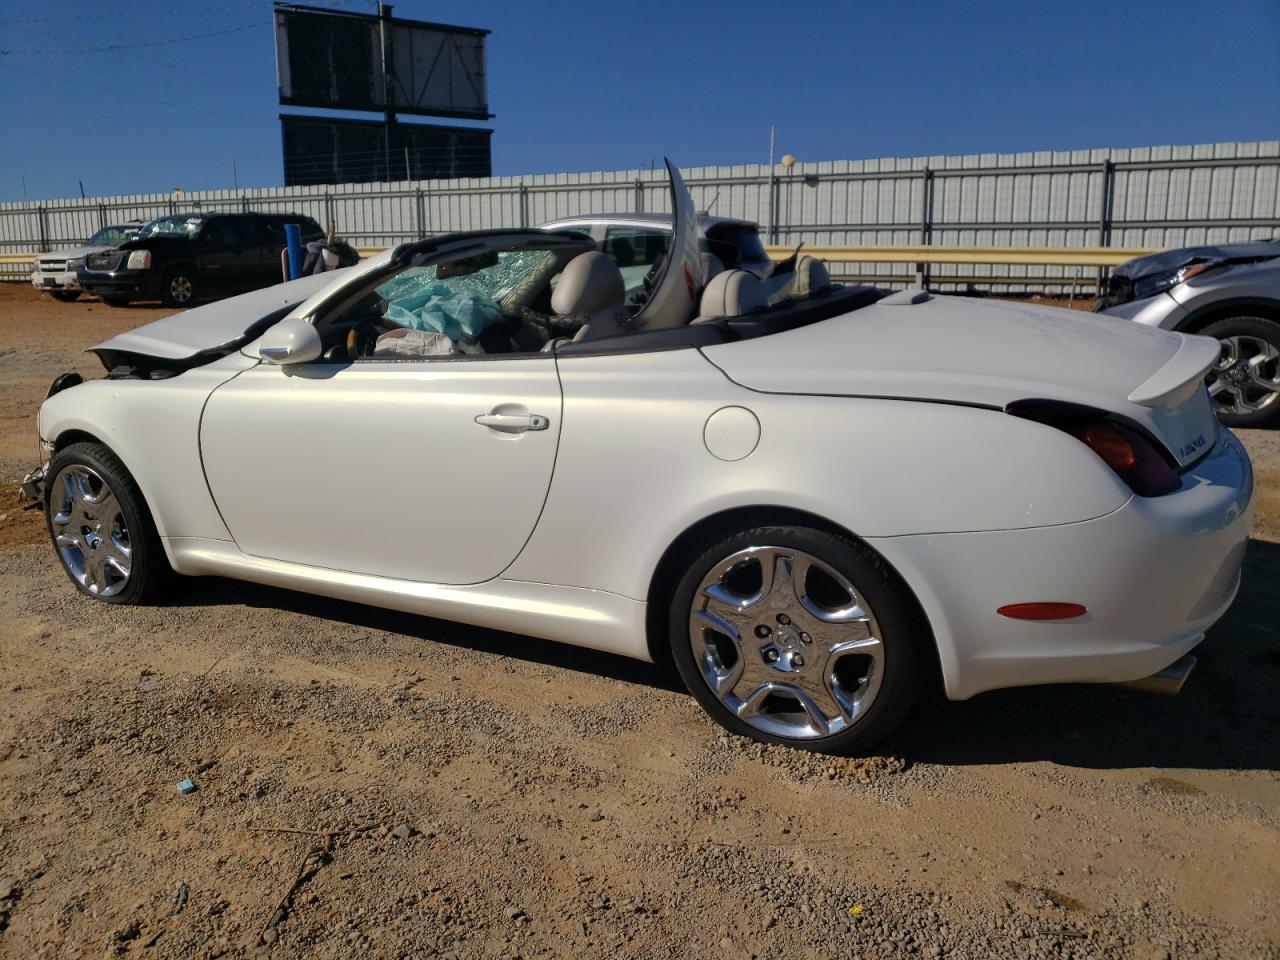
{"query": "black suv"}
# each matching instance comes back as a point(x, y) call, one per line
point(182, 258)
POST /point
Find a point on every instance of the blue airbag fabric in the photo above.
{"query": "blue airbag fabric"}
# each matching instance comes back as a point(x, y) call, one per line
point(437, 308)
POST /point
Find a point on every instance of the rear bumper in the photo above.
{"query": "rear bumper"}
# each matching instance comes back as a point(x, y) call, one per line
point(1154, 574)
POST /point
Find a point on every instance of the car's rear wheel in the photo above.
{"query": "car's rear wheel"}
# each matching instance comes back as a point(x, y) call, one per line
point(1245, 384)
point(65, 296)
point(798, 636)
point(178, 288)
point(100, 526)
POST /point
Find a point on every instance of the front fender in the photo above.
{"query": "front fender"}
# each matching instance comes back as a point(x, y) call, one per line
point(154, 428)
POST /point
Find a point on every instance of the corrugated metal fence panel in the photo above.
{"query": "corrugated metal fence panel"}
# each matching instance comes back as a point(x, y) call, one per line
point(1157, 197)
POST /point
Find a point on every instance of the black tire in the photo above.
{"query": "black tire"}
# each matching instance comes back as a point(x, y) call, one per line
point(148, 567)
point(65, 296)
point(907, 646)
point(116, 301)
point(178, 288)
point(1246, 335)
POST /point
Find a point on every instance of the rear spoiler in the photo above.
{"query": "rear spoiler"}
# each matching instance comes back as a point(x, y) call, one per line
point(1182, 376)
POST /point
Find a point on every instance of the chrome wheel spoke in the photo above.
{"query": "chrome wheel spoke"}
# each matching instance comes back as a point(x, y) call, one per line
point(771, 629)
point(89, 531)
point(1246, 377)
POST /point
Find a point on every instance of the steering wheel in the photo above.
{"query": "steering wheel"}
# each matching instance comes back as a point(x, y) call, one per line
point(362, 338)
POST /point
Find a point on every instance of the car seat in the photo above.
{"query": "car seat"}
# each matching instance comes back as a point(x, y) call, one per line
point(731, 294)
point(590, 290)
point(810, 276)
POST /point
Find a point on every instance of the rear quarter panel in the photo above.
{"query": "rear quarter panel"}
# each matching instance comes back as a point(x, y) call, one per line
point(633, 471)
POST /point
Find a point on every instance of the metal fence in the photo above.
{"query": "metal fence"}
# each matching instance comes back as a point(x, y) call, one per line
point(1155, 197)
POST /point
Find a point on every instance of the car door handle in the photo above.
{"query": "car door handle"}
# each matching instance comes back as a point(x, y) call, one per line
point(513, 422)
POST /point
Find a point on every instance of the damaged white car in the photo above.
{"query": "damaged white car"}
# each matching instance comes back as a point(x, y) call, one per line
point(815, 503)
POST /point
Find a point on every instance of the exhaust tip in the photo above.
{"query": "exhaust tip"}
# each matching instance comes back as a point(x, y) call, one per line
point(1168, 681)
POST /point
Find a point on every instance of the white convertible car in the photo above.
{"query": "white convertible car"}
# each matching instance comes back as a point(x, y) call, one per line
point(815, 503)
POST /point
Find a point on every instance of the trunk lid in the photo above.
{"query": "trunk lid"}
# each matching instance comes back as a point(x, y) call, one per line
point(991, 353)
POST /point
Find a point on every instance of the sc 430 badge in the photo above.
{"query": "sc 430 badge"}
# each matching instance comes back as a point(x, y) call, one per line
point(1196, 445)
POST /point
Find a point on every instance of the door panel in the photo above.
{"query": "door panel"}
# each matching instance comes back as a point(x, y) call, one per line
point(381, 468)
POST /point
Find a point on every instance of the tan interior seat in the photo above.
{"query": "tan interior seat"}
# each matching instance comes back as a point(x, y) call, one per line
point(731, 294)
point(810, 276)
point(591, 290)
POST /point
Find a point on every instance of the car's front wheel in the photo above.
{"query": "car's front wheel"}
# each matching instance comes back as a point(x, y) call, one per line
point(1245, 383)
point(100, 526)
point(116, 301)
point(798, 636)
point(178, 288)
point(65, 296)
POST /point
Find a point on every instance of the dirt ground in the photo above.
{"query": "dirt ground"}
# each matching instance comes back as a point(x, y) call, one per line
point(373, 784)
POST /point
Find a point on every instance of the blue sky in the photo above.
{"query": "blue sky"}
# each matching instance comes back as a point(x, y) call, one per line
point(601, 86)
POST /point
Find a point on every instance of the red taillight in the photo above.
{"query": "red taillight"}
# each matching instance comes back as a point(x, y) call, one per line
point(1042, 610)
point(1132, 456)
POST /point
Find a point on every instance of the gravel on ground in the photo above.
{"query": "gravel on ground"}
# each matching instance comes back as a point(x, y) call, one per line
point(365, 783)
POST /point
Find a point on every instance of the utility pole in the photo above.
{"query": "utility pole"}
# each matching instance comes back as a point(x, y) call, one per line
point(771, 229)
point(388, 82)
point(235, 176)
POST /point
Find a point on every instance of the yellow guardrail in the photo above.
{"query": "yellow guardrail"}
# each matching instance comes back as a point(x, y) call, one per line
point(1033, 256)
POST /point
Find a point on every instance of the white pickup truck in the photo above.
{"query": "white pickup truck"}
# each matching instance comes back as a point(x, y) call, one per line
point(55, 272)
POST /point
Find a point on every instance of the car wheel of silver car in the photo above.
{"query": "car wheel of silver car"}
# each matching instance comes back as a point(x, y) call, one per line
point(798, 636)
point(1245, 384)
point(178, 289)
point(100, 526)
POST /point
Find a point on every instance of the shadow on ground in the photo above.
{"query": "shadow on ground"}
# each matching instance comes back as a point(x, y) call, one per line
point(1227, 717)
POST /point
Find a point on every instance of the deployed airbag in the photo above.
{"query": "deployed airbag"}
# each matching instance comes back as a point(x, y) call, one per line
point(437, 308)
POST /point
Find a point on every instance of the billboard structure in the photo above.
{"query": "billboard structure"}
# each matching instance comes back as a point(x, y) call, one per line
point(330, 150)
point(349, 61)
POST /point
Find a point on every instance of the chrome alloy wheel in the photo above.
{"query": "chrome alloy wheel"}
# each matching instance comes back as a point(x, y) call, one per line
point(1246, 378)
point(89, 531)
point(179, 288)
point(786, 642)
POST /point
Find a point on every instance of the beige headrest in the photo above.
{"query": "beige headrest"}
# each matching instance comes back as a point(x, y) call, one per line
point(591, 282)
point(731, 294)
point(811, 276)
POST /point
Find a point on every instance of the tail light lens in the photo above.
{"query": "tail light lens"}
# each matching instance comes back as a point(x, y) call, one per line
point(1132, 456)
point(1137, 460)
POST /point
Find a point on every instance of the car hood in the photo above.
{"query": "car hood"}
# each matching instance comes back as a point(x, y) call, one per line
point(987, 353)
point(1168, 260)
point(213, 325)
point(71, 253)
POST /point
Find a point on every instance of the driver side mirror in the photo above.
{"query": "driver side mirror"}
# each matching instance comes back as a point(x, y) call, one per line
point(292, 340)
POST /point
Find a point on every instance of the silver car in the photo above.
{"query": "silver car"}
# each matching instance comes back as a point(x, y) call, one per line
point(1229, 291)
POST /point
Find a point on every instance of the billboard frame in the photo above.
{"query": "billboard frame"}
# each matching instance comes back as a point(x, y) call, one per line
point(380, 63)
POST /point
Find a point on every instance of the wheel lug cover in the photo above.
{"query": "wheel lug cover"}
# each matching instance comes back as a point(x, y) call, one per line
point(783, 619)
point(798, 660)
point(762, 631)
point(805, 638)
point(771, 655)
